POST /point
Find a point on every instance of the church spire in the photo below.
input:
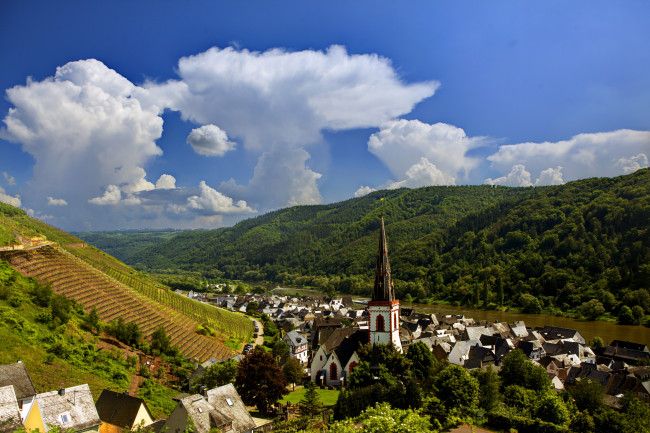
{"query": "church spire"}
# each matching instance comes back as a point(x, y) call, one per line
point(383, 289)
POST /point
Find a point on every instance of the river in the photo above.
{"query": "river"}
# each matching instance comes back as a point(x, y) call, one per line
point(605, 330)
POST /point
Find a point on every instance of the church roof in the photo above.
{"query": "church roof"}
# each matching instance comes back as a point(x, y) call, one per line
point(383, 289)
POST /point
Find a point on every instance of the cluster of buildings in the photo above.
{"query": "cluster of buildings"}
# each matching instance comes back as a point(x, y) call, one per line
point(325, 334)
point(73, 409)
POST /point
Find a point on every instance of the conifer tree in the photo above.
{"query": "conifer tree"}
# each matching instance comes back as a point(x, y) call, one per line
point(310, 406)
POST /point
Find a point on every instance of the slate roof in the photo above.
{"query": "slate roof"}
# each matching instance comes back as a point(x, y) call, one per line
point(630, 345)
point(338, 336)
point(17, 375)
point(349, 345)
point(235, 412)
point(76, 401)
point(294, 339)
point(9, 412)
point(118, 408)
point(557, 333)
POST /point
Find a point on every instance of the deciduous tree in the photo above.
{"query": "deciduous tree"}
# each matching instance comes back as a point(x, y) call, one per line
point(259, 381)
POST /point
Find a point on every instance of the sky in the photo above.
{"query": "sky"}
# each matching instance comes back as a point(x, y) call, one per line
point(198, 114)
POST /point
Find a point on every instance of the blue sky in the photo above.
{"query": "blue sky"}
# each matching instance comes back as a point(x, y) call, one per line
point(198, 114)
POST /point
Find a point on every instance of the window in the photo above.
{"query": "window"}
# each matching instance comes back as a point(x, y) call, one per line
point(380, 323)
point(65, 418)
point(333, 371)
point(229, 401)
point(352, 365)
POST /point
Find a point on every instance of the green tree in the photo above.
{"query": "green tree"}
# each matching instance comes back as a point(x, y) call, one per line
point(637, 413)
point(518, 369)
point(160, 341)
point(489, 384)
point(42, 295)
point(281, 350)
point(588, 395)
point(597, 342)
point(551, 408)
point(625, 316)
point(259, 380)
point(456, 388)
point(310, 405)
point(92, 320)
point(638, 313)
point(60, 307)
point(591, 310)
point(252, 307)
point(293, 371)
point(382, 418)
point(422, 360)
point(216, 375)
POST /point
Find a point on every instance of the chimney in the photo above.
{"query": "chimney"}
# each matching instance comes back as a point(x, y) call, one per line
point(62, 392)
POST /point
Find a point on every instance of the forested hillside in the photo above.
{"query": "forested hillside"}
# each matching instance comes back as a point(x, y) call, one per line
point(559, 248)
point(337, 239)
point(537, 248)
point(124, 243)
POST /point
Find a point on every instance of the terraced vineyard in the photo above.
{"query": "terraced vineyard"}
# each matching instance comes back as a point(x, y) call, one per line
point(97, 280)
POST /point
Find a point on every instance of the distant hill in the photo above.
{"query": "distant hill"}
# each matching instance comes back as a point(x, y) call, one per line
point(97, 280)
point(334, 239)
point(124, 243)
point(560, 246)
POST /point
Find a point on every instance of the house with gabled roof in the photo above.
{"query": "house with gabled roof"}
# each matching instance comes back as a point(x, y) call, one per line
point(17, 376)
point(297, 346)
point(220, 408)
point(70, 409)
point(10, 419)
point(119, 411)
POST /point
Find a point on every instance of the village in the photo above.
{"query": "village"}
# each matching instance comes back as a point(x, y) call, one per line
point(324, 335)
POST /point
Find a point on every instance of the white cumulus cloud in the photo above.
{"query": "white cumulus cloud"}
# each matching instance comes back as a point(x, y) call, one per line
point(634, 163)
point(9, 199)
point(56, 202)
point(363, 190)
point(166, 181)
point(518, 176)
point(210, 140)
point(86, 133)
point(92, 132)
point(431, 154)
point(112, 195)
point(212, 201)
point(583, 156)
point(278, 102)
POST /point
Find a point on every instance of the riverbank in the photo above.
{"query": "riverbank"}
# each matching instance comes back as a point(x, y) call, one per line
point(608, 331)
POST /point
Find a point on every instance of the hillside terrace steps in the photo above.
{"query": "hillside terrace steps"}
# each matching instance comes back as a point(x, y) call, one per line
point(75, 278)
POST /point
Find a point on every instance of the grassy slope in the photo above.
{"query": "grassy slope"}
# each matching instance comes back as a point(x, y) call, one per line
point(26, 338)
point(327, 396)
point(226, 324)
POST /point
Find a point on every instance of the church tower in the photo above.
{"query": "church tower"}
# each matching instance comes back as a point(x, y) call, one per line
point(383, 309)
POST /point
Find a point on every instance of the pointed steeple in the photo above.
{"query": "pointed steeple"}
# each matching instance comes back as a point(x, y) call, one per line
point(383, 289)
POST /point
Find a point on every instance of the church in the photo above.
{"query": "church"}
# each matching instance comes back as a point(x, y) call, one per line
point(337, 356)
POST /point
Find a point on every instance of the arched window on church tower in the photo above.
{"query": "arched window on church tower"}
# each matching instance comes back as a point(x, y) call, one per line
point(380, 323)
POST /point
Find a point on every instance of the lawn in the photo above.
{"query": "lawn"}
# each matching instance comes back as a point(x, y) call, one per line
point(327, 396)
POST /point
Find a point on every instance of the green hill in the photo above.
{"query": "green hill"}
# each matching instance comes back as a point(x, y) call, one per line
point(560, 246)
point(97, 280)
point(334, 239)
